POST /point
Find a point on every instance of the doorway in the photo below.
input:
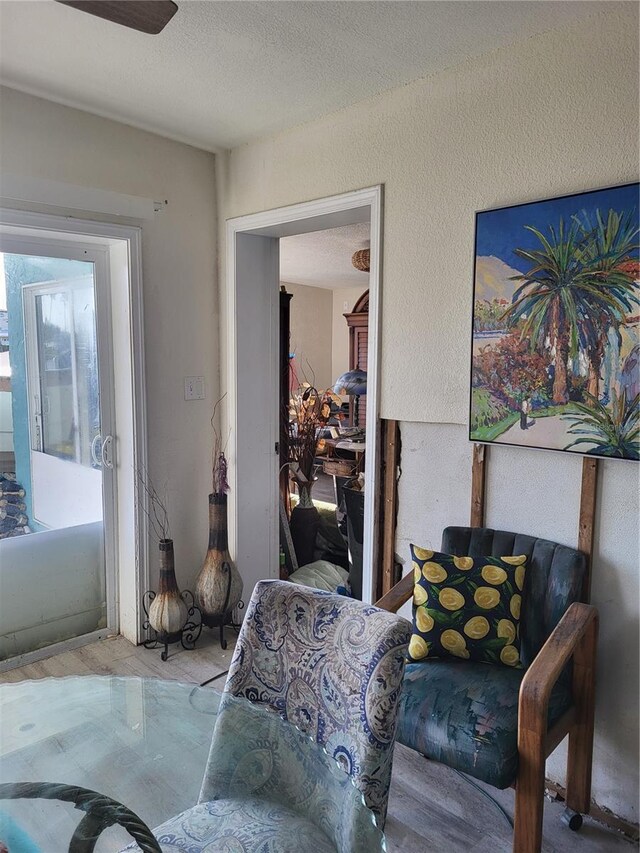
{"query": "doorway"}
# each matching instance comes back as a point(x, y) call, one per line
point(253, 376)
point(68, 478)
point(324, 291)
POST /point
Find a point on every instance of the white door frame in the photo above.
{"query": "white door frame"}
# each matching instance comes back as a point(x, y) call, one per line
point(321, 214)
point(19, 229)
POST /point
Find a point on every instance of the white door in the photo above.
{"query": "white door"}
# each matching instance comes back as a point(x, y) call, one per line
point(60, 353)
point(64, 402)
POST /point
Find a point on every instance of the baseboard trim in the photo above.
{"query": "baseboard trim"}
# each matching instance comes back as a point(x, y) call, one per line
point(602, 815)
point(8, 664)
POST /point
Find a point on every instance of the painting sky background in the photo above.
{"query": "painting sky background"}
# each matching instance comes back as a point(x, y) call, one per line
point(501, 231)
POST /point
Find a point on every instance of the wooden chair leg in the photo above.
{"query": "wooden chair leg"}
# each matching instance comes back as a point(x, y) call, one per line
point(527, 830)
point(581, 733)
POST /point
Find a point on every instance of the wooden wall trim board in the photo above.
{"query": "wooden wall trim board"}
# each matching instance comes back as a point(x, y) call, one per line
point(586, 522)
point(391, 458)
point(478, 477)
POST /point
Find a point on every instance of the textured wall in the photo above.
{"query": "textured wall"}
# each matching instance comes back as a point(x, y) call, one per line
point(555, 114)
point(311, 333)
point(45, 140)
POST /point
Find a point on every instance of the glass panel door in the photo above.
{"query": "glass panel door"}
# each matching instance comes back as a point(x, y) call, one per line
point(64, 402)
point(61, 480)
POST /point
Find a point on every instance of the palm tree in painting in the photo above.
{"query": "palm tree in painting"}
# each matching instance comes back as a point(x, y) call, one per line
point(607, 247)
point(545, 301)
point(612, 431)
point(574, 291)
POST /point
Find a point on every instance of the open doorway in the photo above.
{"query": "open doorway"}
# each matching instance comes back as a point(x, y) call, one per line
point(324, 320)
point(253, 376)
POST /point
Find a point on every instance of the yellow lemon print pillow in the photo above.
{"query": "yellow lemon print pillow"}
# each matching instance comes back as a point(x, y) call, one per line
point(467, 607)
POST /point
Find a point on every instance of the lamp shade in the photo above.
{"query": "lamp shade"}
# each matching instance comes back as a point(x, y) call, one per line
point(352, 382)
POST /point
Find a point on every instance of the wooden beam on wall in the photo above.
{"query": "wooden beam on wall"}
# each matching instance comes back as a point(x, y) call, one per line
point(587, 517)
point(478, 476)
point(391, 457)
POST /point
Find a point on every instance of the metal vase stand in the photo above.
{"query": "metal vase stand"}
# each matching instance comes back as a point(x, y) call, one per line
point(187, 636)
point(219, 620)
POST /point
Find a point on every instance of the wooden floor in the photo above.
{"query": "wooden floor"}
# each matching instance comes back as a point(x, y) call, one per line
point(431, 808)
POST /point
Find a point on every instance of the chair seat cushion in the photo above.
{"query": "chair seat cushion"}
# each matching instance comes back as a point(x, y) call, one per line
point(465, 715)
point(240, 826)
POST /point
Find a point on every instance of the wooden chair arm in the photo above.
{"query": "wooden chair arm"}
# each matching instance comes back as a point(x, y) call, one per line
point(397, 595)
point(574, 637)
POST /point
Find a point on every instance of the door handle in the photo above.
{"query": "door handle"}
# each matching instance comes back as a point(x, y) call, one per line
point(94, 450)
point(106, 452)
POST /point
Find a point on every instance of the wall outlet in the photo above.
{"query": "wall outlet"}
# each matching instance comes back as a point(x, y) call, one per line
point(194, 388)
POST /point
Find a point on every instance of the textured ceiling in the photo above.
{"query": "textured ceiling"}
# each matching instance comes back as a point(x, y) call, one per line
point(224, 73)
point(323, 258)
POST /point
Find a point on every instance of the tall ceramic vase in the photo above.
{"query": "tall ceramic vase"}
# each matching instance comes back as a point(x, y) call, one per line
point(304, 523)
point(168, 612)
point(219, 584)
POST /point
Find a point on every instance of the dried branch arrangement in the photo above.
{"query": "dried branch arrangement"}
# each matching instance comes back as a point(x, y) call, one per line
point(309, 410)
point(219, 466)
point(155, 507)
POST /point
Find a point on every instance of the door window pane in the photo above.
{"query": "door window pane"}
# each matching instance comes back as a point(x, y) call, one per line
point(68, 418)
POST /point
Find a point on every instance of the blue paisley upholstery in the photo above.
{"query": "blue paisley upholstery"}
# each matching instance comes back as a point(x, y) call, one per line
point(314, 685)
point(465, 714)
point(240, 826)
point(332, 666)
point(269, 789)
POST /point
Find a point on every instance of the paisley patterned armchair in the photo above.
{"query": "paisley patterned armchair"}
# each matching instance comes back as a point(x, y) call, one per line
point(315, 679)
point(331, 665)
point(497, 723)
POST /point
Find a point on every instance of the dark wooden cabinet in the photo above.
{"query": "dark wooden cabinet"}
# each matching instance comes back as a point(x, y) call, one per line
point(358, 323)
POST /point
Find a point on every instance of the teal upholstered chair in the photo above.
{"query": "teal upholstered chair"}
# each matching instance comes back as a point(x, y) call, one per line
point(499, 724)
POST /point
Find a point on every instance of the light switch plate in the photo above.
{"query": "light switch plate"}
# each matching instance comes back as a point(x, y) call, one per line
point(194, 388)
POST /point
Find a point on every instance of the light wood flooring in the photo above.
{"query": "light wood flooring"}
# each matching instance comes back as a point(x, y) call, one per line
point(431, 808)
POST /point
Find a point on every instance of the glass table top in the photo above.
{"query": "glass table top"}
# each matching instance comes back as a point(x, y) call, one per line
point(141, 741)
point(145, 742)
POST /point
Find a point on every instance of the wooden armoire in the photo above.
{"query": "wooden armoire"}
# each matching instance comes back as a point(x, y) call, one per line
point(358, 323)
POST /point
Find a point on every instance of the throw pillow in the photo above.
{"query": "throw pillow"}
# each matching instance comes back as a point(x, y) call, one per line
point(466, 607)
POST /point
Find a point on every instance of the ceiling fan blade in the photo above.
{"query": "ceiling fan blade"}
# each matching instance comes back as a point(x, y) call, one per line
point(147, 16)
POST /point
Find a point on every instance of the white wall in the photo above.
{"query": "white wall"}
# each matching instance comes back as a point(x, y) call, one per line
point(311, 330)
point(555, 114)
point(340, 339)
point(45, 140)
point(319, 331)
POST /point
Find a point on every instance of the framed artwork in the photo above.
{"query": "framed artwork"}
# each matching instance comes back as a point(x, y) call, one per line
point(555, 357)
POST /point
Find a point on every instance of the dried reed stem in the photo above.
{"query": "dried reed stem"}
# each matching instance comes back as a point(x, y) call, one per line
point(155, 507)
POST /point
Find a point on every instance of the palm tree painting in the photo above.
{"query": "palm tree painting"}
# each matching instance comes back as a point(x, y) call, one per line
point(556, 324)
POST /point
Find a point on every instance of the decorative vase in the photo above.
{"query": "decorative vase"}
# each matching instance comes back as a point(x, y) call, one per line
point(304, 523)
point(219, 584)
point(168, 612)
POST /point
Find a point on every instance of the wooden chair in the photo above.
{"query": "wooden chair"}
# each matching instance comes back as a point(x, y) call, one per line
point(499, 724)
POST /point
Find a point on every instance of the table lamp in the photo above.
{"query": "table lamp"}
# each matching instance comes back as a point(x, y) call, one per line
point(353, 382)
